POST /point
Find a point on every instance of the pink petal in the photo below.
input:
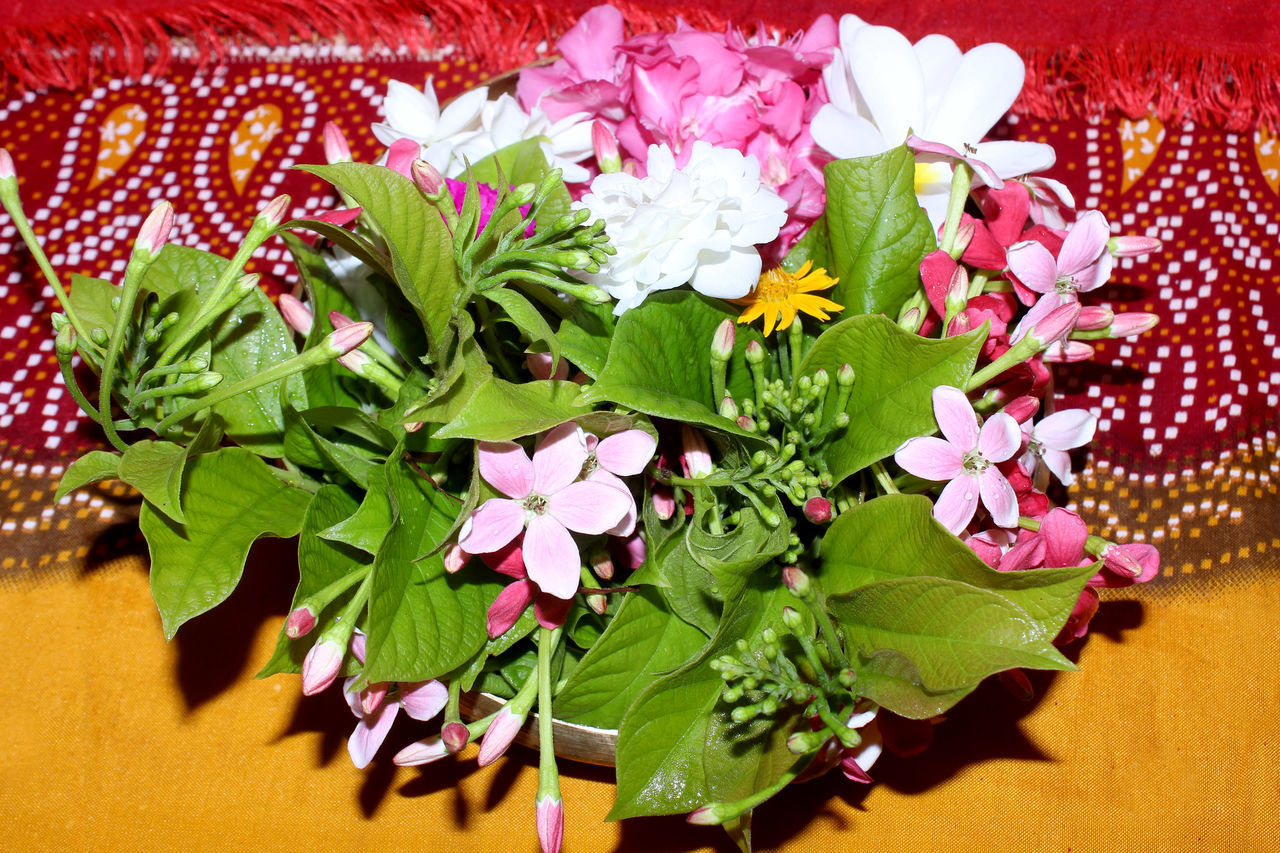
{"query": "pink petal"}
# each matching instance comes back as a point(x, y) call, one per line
point(422, 752)
point(1000, 437)
point(505, 466)
point(551, 556)
point(550, 820)
point(955, 417)
point(422, 700)
point(1086, 240)
point(1066, 429)
point(998, 497)
point(626, 453)
point(1059, 462)
point(550, 611)
point(352, 696)
point(370, 733)
point(930, 458)
point(508, 606)
point(493, 525)
point(1027, 554)
point(400, 157)
point(539, 364)
point(627, 525)
point(1095, 275)
point(559, 458)
point(1064, 534)
point(501, 732)
point(590, 507)
point(1034, 266)
point(956, 505)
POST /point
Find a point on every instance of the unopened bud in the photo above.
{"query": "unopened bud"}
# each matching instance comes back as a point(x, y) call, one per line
point(696, 456)
point(797, 581)
point(754, 353)
point(275, 211)
point(1093, 318)
point(746, 423)
point(320, 666)
point(65, 341)
point(499, 736)
point(1132, 246)
point(455, 736)
point(728, 407)
point(791, 618)
point(722, 341)
point(606, 147)
point(336, 149)
point(343, 341)
point(598, 603)
point(709, 815)
point(1054, 325)
point(355, 361)
point(340, 320)
point(524, 194)
point(371, 697)
point(422, 752)
point(455, 558)
point(296, 315)
point(301, 621)
point(957, 291)
point(426, 177)
point(1071, 351)
point(1130, 323)
point(1022, 408)
point(817, 510)
point(155, 230)
point(602, 564)
point(1120, 561)
point(1017, 684)
point(844, 376)
point(550, 821)
point(964, 236)
point(7, 172)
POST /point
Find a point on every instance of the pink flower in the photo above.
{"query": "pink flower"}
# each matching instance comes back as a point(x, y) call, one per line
point(1049, 440)
point(546, 499)
point(623, 454)
point(1083, 264)
point(967, 457)
point(378, 704)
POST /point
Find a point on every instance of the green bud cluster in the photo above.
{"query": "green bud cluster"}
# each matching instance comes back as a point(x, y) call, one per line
point(759, 678)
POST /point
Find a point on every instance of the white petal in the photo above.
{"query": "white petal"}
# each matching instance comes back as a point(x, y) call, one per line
point(845, 135)
point(939, 58)
point(1012, 159)
point(984, 86)
point(732, 275)
point(411, 111)
point(1067, 429)
point(890, 80)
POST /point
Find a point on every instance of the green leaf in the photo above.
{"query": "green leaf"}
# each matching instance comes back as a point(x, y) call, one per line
point(526, 318)
point(320, 563)
point(231, 498)
point(643, 640)
point(677, 746)
point(367, 526)
point(732, 556)
point(688, 586)
point(91, 299)
point(896, 536)
point(420, 244)
point(878, 232)
point(895, 373)
point(660, 361)
point(422, 622)
point(891, 680)
point(499, 410)
point(155, 468)
point(305, 446)
point(585, 336)
point(524, 163)
point(954, 633)
point(93, 467)
point(814, 246)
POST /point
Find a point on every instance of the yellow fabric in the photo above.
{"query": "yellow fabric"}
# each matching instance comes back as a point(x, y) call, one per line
point(1165, 741)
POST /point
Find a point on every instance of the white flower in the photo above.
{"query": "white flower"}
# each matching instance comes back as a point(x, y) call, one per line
point(472, 127)
point(883, 88)
point(698, 224)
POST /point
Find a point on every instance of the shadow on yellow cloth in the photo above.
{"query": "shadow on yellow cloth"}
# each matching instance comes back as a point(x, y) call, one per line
point(1166, 740)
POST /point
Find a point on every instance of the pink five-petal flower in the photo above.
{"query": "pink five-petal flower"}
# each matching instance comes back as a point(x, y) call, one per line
point(378, 704)
point(546, 499)
point(1083, 262)
point(1049, 440)
point(966, 455)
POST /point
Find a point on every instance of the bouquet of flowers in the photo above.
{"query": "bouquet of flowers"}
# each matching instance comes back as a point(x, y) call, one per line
point(698, 393)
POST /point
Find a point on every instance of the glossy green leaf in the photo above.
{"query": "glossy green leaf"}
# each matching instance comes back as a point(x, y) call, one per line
point(895, 373)
point(365, 528)
point(891, 680)
point(231, 498)
point(814, 246)
point(643, 640)
point(896, 536)
point(526, 317)
point(94, 467)
point(320, 563)
point(734, 554)
point(585, 335)
point(501, 410)
point(954, 633)
point(877, 231)
point(155, 469)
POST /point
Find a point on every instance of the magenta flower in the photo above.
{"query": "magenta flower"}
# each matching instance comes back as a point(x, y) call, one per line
point(967, 456)
point(547, 500)
point(377, 706)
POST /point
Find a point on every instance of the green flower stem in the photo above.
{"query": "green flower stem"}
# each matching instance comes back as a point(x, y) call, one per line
point(69, 379)
point(550, 301)
point(961, 180)
point(304, 360)
point(548, 776)
point(453, 705)
point(491, 343)
point(795, 341)
point(848, 737)
point(476, 728)
point(13, 204)
point(1024, 349)
point(588, 293)
point(784, 363)
point(322, 599)
point(1093, 545)
point(344, 624)
point(138, 264)
point(380, 376)
point(883, 478)
point(768, 516)
point(724, 812)
point(979, 282)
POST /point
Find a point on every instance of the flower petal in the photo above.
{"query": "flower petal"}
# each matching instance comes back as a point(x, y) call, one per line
point(1064, 534)
point(494, 524)
point(998, 497)
point(508, 606)
point(956, 505)
point(727, 275)
point(369, 734)
point(1011, 159)
point(559, 458)
point(551, 556)
point(590, 507)
point(505, 466)
point(890, 81)
point(1034, 266)
point(627, 525)
point(955, 417)
point(626, 453)
point(1086, 240)
point(1066, 429)
point(1000, 437)
point(983, 87)
point(930, 458)
point(422, 700)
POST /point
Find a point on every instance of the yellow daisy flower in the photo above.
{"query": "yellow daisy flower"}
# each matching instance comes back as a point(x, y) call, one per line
point(780, 295)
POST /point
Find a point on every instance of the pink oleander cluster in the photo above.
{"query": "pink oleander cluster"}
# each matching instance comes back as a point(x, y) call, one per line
point(749, 93)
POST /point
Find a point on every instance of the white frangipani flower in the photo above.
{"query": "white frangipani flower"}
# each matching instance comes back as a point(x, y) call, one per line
point(883, 88)
point(698, 224)
point(472, 127)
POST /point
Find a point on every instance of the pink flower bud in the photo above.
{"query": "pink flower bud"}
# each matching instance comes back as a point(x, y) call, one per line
point(957, 290)
point(297, 315)
point(550, 811)
point(796, 580)
point(301, 621)
point(336, 149)
point(320, 666)
point(1016, 683)
point(606, 147)
point(426, 177)
point(696, 458)
point(746, 423)
point(354, 361)
point(275, 211)
point(1072, 351)
point(1055, 324)
point(1132, 246)
point(371, 697)
point(340, 320)
point(155, 230)
point(345, 340)
point(414, 426)
point(853, 771)
point(456, 736)
point(705, 816)
point(1130, 323)
point(598, 603)
point(722, 340)
point(964, 235)
point(1094, 317)
point(6, 166)
point(1022, 408)
point(664, 502)
point(602, 564)
point(499, 736)
point(1118, 560)
point(342, 217)
point(455, 558)
point(422, 752)
point(818, 511)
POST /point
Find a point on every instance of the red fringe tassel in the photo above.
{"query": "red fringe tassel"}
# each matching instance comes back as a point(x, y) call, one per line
point(1172, 82)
